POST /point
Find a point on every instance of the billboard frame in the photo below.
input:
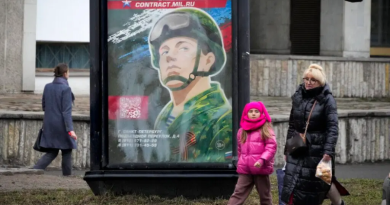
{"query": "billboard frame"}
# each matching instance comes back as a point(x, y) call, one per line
point(103, 174)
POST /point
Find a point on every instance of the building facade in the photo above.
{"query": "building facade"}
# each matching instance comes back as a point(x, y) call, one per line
point(37, 34)
point(321, 28)
point(350, 40)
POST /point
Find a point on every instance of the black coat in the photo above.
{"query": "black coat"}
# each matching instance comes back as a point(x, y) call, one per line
point(57, 104)
point(322, 134)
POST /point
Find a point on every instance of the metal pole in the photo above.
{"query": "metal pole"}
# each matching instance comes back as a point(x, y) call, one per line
point(95, 73)
point(243, 54)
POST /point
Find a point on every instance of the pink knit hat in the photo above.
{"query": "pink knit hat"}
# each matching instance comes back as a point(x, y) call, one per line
point(253, 124)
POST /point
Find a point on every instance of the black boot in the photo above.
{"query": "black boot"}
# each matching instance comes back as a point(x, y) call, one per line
point(342, 202)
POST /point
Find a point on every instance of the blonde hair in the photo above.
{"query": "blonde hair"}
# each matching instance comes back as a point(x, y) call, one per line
point(264, 132)
point(318, 73)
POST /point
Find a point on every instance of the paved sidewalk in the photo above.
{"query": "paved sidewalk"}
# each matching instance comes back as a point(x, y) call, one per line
point(362, 171)
point(282, 105)
point(348, 171)
point(16, 171)
point(275, 105)
point(33, 103)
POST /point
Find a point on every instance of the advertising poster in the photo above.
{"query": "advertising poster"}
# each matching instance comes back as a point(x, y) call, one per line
point(170, 81)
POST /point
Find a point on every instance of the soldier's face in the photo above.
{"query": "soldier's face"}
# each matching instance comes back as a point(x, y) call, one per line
point(177, 60)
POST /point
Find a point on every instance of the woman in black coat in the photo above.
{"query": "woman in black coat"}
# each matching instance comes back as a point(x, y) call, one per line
point(301, 186)
point(58, 133)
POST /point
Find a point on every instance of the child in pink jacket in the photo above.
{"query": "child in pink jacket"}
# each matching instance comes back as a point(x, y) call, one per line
point(256, 150)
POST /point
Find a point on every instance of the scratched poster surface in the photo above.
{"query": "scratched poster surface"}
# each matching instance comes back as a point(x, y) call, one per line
point(170, 81)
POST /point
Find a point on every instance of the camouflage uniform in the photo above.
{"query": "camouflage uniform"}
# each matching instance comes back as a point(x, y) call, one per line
point(204, 128)
point(203, 132)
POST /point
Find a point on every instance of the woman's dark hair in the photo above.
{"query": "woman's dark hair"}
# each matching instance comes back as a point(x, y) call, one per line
point(60, 70)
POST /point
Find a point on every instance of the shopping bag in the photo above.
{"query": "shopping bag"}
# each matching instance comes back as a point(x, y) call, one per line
point(280, 178)
point(324, 171)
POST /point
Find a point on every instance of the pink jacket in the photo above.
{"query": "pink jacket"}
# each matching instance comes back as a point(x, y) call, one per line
point(253, 150)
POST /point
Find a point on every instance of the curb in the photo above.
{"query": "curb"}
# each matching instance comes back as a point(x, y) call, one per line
point(14, 171)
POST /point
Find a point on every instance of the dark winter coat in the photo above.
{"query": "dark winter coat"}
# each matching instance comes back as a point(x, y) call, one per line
point(57, 105)
point(322, 134)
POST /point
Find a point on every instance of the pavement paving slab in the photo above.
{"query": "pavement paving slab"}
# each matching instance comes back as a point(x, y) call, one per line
point(15, 171)
point(367, 170)
point(33, 103)
point(275, 105)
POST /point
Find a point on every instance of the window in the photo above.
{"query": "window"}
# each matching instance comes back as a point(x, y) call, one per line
point(380, 27)
point(305, 27)
point(76, 55)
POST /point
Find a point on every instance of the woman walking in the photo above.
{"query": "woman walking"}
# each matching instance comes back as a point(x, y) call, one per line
point(58, 133)
point(256, 150)
point(301, 186)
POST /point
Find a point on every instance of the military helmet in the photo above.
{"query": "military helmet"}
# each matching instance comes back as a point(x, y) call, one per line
point(193, 23)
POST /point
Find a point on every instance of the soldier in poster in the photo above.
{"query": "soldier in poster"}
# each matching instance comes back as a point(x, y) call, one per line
point(186, 48)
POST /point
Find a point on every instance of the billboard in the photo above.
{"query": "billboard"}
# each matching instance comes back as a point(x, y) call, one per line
point(170, 81)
